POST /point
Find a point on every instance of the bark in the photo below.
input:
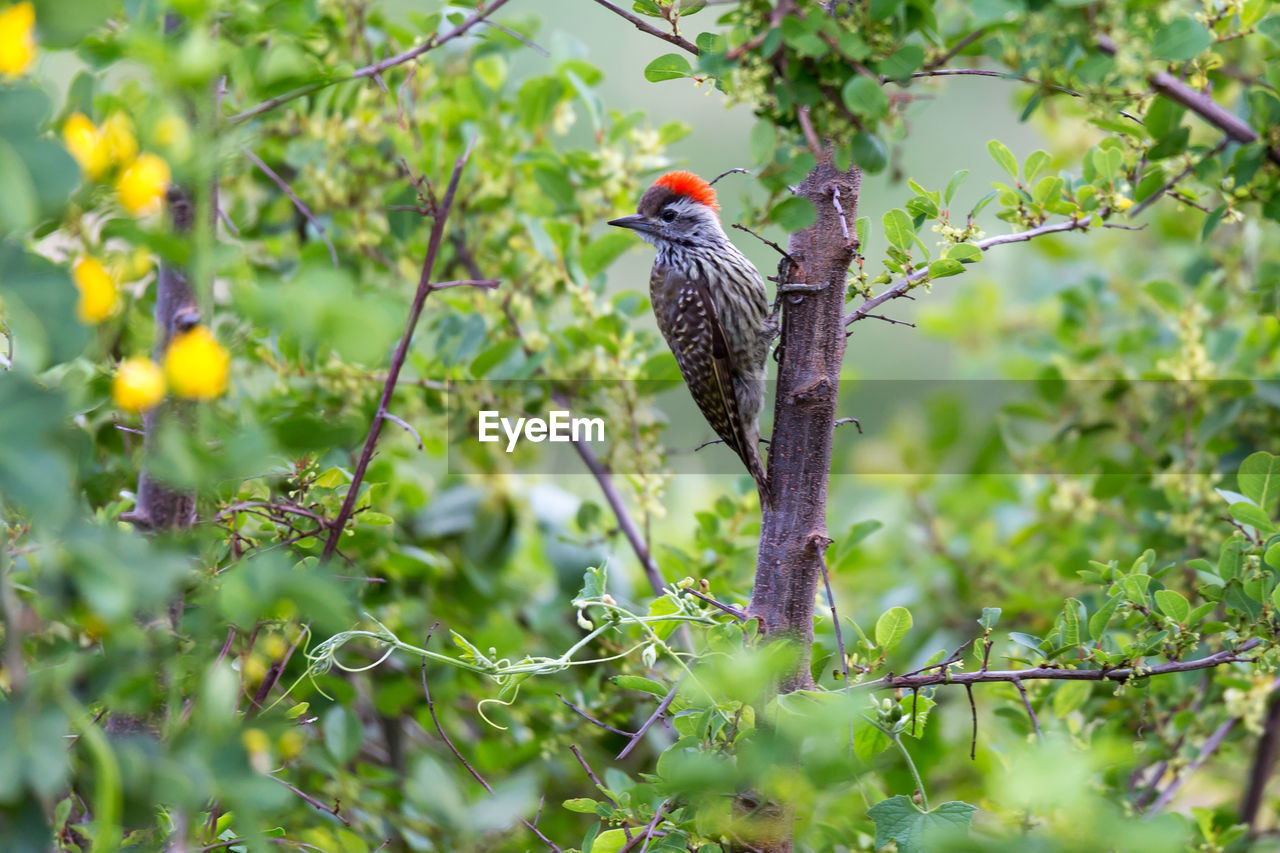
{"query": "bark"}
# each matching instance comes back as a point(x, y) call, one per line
point(1264, 760)
point(794, 533)
point(160, 507)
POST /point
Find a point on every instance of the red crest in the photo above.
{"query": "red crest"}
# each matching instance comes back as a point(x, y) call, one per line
point(690, 185)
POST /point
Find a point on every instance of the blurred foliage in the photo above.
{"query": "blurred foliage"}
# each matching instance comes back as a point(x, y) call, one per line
point(221, 687)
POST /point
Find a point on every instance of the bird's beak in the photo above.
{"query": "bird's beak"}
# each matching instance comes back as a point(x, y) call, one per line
point(636, 222)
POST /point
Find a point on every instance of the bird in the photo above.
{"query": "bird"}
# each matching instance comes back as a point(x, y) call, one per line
point(712, 308)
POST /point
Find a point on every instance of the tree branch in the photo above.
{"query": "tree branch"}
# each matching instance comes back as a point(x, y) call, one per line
point(902, 285)
point(376, 68)
point(1264, 760)
point(1049, 673)
point(397, 360)
point(297, 202)
point(1198, 102)
point(625, 522)
point(645, 27)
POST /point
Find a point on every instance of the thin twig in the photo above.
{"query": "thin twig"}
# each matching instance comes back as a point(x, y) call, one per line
point(312, 801)
point(735, 612)
point(297, 202)
point(374, 69)
point(1048, 673)
point(475, 774)
point(737, 170)
point(956, 48)
point(596, 780)
point(810, 136)
point(645, 27)
point(480, 284)
point(973, 712)
point(1173, 182)
point(1210, 747)
point(520, 37)
point(406, 426)
point(1007, 75)
point(1026, 701)
point(902, 285)
point(648, 830)
point(769, 243)
point(590, 719)
point(625, 522)
point(820, 544)
point(1198, 102)
point(398, 359)
point(653, 718)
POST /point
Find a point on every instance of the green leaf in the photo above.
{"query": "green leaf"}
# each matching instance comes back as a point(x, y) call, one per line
point(599, 253)
point(990, 616)
point(1181, 38)
point(954, 184)
point(892, 626)
point(868, 152)
point(636, 682)
point(1069, 622)
point(1163, 117)
point(865, 97)
point(1259, 479)
point(965, 253)
point(1035, 163)
point(794, 214)
point(342, 733)
point(1004, 157)
point(898, 229)
point(1026, 640)
point(669, 66)
point(763, 141)
point(18, 202)
point(1247, 513)
point(1070, 696)
point(1098, 622)
point(1174, 605)
point(944, 267)
point(1231, 559)
point(899, 820)
point(902, 62)
point(609, 841)
point(581, 805)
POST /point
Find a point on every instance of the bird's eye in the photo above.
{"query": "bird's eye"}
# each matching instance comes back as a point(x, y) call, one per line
point(668, 215)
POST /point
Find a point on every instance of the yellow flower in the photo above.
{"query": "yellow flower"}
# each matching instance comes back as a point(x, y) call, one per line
point(1123, 203)
point(143, 184)
point(99, 296)
point(197, 365)
point(138, 385)
point(17, 39)
point(117, 135)
point(86, 145)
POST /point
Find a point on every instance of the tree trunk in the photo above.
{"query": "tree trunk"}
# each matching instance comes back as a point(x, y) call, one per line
point(160, 507)
point(794, 533)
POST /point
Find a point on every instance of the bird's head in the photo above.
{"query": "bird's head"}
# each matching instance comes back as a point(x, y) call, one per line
point(680, 207)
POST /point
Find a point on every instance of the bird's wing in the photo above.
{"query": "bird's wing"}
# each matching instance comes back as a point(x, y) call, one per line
point(688, 320)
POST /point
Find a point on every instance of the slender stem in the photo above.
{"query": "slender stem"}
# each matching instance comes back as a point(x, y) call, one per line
point(645, 27)
point(293, 196)
point(911, 765)
point(1047, 673)
point(370, 70)
point(397, 361)
point(902, 285)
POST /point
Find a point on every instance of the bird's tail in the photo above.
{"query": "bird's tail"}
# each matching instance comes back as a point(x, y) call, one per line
point(755, 466)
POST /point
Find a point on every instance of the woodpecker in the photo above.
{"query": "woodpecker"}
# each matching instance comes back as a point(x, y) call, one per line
point(713, 309)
